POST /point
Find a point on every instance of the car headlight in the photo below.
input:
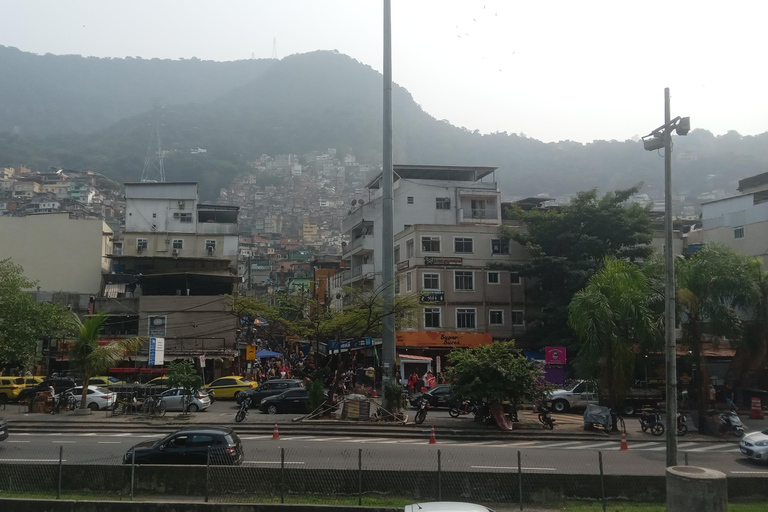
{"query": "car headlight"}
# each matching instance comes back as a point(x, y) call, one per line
point(761, 443)
point(263, 400)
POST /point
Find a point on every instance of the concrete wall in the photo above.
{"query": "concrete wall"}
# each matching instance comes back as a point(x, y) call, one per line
point(63, 254)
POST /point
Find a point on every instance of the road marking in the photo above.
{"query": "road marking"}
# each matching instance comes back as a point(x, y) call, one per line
point(18, 441)
point(298, 438)
point(524, 443)
point(366, 440)
point(750, 472)
point(64, 442)
point(270, 462)
point(645, 445)
point(110, 442)
point(707, 448)
point(255, 437)
point(590, 446)
point(513, 467)
point(555, 445)
point(33, 460)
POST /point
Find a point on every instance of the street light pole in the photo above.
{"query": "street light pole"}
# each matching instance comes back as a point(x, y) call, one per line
point(669, 290)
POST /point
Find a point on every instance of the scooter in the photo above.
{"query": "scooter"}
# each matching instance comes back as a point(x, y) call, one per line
point(651, 420)
point(466, 407)
point(682, 428)
point(242, 413)
point(483, 414)
point(421, 414)
point(545, 416)
point(731, 423)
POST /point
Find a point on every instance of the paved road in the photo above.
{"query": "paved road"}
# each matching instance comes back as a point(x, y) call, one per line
point(643, 458)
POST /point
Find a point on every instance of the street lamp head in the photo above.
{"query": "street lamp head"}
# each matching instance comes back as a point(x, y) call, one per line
point(683, 126)
point(653, 143)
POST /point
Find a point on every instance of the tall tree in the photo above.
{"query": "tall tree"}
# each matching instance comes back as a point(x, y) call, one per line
point(23, 322)
point(568, 245)
point(612, 314)
point(91, 358)
point(752, 352)
point(711, 285)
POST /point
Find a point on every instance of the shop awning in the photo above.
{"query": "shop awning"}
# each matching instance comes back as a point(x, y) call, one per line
point(414, 358)
point(267, 353)
point(111, 290)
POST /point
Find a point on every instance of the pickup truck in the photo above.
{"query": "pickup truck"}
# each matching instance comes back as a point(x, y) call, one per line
point(585, 393)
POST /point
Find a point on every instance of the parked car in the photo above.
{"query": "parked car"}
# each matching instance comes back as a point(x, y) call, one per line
point(3, 429)
point(585, 393)
point(105, 381)
point(190, 446)
point(755, 445)
point(228, 387)
point(293, 400)
point(97, 398)
point(59, 384)
point(10, 388)
point(34, 380)
point(271, 387)
point(177, 398)
point(439, 396)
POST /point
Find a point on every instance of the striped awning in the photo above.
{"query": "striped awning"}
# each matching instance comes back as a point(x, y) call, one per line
point(112, 289)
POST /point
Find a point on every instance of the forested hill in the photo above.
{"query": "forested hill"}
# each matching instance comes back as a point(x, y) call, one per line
point(75, 112)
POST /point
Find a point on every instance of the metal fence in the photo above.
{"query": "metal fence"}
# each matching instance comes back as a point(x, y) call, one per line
point(360, 473)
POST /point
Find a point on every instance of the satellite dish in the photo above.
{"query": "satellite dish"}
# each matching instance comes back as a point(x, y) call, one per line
point(354, 202)
point(360, 201)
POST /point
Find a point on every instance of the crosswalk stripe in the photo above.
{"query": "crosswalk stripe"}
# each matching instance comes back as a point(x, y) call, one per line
point(557, 445)
point(706, 448)
point(590, 446)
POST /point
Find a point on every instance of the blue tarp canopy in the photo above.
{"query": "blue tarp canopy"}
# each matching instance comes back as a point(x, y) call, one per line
point(267, 353)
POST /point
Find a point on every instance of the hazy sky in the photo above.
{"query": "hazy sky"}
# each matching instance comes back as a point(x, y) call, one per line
point(554, 70)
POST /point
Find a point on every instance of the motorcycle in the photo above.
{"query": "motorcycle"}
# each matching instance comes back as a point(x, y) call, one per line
point(421, 414)
point(242, 413)
point(545, 416)
point(466, 407)
point(731, 423)
point(483, 414)
point(651, 420)
point(682, 428)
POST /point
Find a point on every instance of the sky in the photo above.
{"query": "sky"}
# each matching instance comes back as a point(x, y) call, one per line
point(552, 70)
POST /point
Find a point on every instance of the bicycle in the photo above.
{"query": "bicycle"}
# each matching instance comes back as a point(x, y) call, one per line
point(155, 405)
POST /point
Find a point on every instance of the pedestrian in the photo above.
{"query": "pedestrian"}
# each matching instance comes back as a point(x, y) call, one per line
point(712, 397)
point(728, 392)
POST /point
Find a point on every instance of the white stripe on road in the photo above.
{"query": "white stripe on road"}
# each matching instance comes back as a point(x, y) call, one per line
point(63, 442)
point(590, 446)
point(750, 472)
point(110, 442)
point(18, 441)
point(707, 448)
point(513, 467)
point(524, 443)
point(270, 462)
point(555, 445)
point(33, 460)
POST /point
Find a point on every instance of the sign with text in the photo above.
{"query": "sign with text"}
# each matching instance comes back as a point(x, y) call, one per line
point(403, 265)
point(554, 355)
point(156, 351)
point(156, 325)
point(440, 261)
point(432, 297)
point(250, 353)
point(442, 339)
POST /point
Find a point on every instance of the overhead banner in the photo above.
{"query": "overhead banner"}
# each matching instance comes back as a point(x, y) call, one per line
point(156, 351)
point(442, 339)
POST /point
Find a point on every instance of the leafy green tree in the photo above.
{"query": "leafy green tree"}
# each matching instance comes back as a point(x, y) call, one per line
point(182, 374)
point(23, 322)
point(752, 352)
point(495, 373)
point(711, 285)
point(611, 314)
point(92, 359)
point(568, 245)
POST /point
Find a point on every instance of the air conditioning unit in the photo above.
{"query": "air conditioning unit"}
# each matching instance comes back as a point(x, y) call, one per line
point(175, 252)
point(139, 249)
point(176, 215)
point(209, 249)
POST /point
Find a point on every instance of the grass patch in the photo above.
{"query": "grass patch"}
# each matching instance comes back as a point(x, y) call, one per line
point(624, 506)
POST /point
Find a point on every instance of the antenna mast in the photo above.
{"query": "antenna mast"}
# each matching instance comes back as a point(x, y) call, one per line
point(274, 48)
point(153, 162)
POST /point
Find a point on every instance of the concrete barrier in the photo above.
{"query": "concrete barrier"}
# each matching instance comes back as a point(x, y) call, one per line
point(693, 489)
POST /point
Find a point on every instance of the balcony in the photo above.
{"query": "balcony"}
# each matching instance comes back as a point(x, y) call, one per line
point(364, 271)
point(216, 228)
point(362, 244)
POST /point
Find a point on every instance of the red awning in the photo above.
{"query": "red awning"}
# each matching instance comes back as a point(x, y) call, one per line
point(414, 358)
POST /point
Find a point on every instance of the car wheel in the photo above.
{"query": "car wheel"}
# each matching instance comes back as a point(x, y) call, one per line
point(561, 406)
point(93, 406)
point(628, 410)
point(193, 408)
point(272, 409)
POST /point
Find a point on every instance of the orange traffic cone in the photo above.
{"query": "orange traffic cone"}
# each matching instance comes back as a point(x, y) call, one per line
point(275, 433)
point(624, 442)
point(374, 393)
point(432, 439)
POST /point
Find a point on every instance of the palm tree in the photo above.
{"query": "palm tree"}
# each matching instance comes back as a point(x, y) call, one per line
point(610, 315)
point(711, 284)
point(93, 359)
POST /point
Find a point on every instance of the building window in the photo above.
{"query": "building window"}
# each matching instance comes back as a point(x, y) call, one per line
point(431, 281)
point(409, 248)
point(493, 278)
point(462, 245)
point(443, 203)
point(410, 199)
point(397, 286)
point(154, 215)
point(397, 254)
point(496, 317)
point(463, 280)
point(178, 243)
point(409, 281)
point(514, 279)
point(478, 208)
point(499, 246)
point(465, 318)
point(210, 245)
point(142, 244)
point(185, 217)
point(431, 318)
point(738, 232)
point(517, 318)
point(430, 244)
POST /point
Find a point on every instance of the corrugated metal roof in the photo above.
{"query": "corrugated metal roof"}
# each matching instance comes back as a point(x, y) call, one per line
point(187, 190)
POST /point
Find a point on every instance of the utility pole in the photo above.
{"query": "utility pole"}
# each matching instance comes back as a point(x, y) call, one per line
point(387, 232)
point(669, 289)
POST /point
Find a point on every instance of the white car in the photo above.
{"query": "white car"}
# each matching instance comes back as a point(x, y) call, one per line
point(446, 506)
point(176, 398)
point(755, 445)
point(98, 398)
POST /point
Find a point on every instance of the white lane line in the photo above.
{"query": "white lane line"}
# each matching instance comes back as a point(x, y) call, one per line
point(298, 438)
point(33, 460)
point(17, 441)
point(63, 442)
point(556, 445)
point(590, 446)
point(708, 448)
point(368, 440)
point(122, 435)
point(750, 472)
point(270, 462)
point(255, 437)
point(686, 445)
point(524, 443)
point(513, 467)
point(110, 442)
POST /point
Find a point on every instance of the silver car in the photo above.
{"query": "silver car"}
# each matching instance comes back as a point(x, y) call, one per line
point(176, 399)
point(755, 445)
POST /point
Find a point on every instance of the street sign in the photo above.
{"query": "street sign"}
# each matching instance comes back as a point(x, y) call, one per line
point(202, 361)
point(156, 352)
point(250, 353)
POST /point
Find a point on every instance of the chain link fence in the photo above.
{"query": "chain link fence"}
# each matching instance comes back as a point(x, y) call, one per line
point(271, 471)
